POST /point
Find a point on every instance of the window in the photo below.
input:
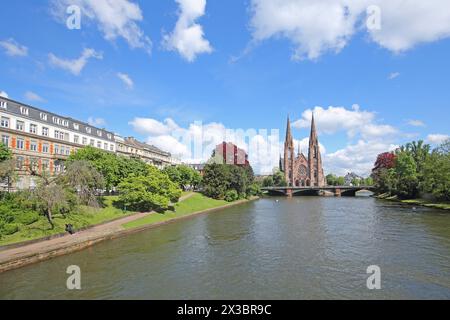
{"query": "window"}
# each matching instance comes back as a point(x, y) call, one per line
point(92, 143)
point(111, 147)
point(45, 131)
point(84, 141)
point(65, 123)
point(5, 140)
point(33, 146)
point(59, 135)
point(3, 104)
point(99, 144)
point(45, 165)
point(105, 146)
point(20, 144)
point(20, 125)
point(24, 111)
point(109, 136)
point(76, 126)
point(19, 162)
point(76, 139)
point(4, 122)
point(99, 133)
point(88, 130)
point(56, 151)
point(63, 150)
point(68, 152)
point(43, 116)
point(45, 148)
point(34, 163)
point(33, 128)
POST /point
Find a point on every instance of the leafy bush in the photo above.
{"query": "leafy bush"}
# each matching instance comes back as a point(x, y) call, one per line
point(231, 195)
point(10, 228)
point(28, 217)
point(153, 191)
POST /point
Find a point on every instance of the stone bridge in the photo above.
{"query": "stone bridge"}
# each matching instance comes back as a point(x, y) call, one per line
point(338, 191)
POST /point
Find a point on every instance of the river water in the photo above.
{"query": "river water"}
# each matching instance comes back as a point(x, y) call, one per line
point(274, 248)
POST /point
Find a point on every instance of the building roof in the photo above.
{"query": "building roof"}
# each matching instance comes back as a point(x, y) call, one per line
point(140, 145)
point(34, 113)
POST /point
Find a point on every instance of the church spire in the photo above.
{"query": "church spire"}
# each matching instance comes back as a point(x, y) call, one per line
point(313, 136)
point(288, 130)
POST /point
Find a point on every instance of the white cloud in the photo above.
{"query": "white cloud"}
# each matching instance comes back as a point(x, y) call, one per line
point(319, 26)
point(352, 121)
point(437, 138)
point(358, 158)
point(196, 142)
point(4, 94)
point(188, 37)
point(416, 123)
point(97, 122)
point(77, 65)
point(115, 19)
point(14, 49)
point(126, 80)
point(393, 75)
point(31, 96)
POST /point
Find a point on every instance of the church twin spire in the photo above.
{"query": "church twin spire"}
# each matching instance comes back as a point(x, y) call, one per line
point(300, 171)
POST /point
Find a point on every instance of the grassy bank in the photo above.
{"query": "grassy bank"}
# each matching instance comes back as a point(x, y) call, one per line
point(417, 202)
point(195, 203)
point(84, 218)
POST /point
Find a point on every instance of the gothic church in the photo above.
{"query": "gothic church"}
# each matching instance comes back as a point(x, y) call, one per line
point(299, 170)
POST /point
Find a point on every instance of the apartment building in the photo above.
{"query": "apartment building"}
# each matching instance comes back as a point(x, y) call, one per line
point(43, 140)
point(130, 147)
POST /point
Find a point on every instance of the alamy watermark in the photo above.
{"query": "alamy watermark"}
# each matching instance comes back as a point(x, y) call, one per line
point(374, 280)
point(73, 22)
point(74, 280)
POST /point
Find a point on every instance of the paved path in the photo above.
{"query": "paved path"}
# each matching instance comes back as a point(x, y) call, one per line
point(67, 241)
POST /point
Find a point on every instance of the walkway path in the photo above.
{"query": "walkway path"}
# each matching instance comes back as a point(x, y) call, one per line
point(16, 257)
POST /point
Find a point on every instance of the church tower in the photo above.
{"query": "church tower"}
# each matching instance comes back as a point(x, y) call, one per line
point(289, 155)
point(316, 174)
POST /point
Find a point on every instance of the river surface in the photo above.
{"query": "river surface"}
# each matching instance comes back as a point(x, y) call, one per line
point(274, 248)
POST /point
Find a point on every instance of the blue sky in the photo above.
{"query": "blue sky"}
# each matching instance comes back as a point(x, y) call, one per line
point(237, 65)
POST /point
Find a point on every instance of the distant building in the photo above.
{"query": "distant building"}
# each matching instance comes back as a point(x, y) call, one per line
point(301, 170)
point(130, 147)
point(229, 153)
point(200, 168)
point(350, 177)
point(42, 141)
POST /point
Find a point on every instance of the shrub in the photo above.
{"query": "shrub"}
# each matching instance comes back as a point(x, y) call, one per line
point(231, 196)
point(27, 218)
point(9, 229)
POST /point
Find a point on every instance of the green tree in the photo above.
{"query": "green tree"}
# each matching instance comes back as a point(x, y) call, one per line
point(153, 191)
point(436, 174)
point(216, 180)
point(85, 180)
point(279, 179)
point(51, 198)
point(407, 177)
point(5, 153)
point(106, 163)
point(331, 180)
point(268, 182)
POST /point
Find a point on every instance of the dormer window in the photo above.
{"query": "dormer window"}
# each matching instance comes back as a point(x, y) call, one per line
point(88, 130)
point(99, 133)
point(3, 104)
point(24, 111)
point(43, 116)
point(109, 136)
point(76, 126)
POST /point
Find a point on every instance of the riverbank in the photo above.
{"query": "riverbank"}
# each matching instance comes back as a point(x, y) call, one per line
point(416, 202)
point(192, 205)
